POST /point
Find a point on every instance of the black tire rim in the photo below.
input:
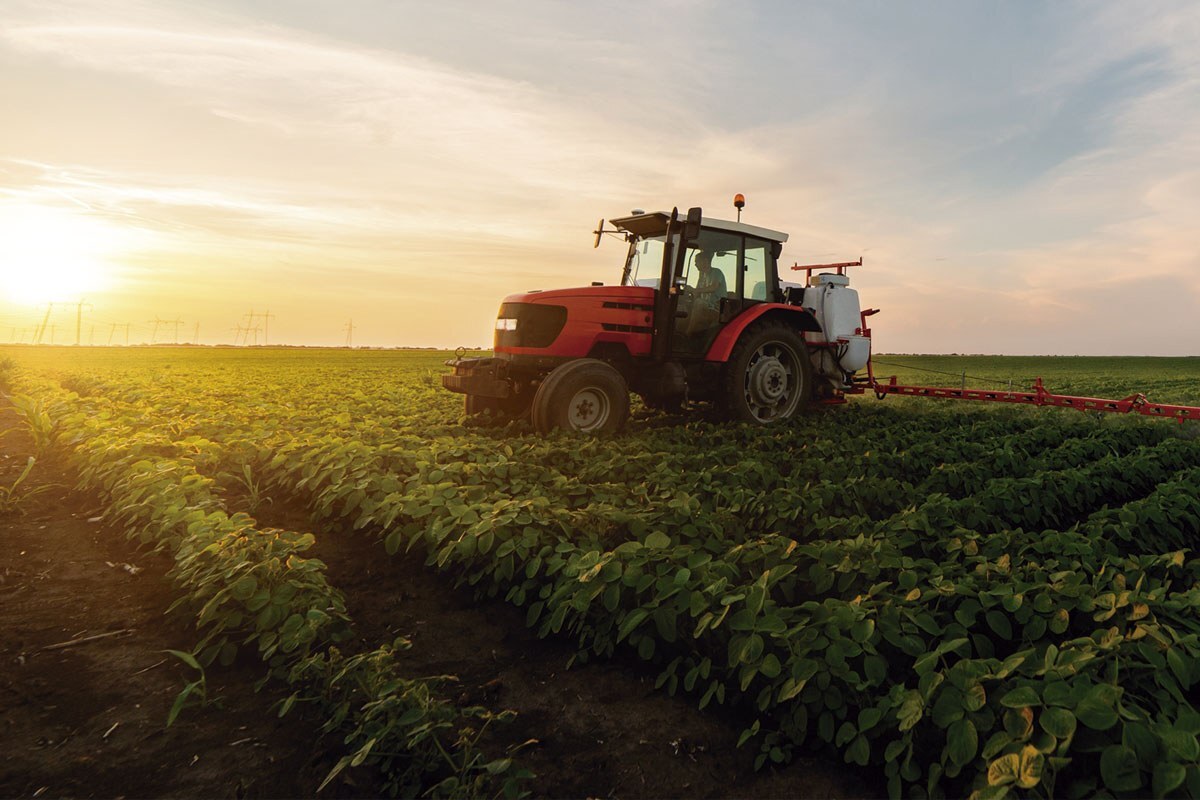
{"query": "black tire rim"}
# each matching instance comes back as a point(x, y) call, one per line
point(772, 386)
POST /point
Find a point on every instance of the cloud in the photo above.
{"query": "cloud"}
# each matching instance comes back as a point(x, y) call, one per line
point(1034, 159)
point(427, 121)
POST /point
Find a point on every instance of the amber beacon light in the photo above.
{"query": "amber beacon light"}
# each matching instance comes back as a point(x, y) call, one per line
point(739, 202)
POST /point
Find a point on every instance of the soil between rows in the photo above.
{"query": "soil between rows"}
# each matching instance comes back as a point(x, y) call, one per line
point(88, 720)
point(602, 729)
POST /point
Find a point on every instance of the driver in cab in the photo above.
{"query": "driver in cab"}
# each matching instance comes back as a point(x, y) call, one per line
point(705, 306)
point(710, 285)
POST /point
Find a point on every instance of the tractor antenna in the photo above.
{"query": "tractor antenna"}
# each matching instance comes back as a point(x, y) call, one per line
point(739, 202)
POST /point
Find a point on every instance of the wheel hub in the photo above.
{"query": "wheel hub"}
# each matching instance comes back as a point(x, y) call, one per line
point(772, 378)
point(768, 380)
point(589, 409)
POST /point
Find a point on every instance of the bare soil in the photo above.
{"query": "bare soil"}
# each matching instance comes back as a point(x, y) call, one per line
point(88, 719)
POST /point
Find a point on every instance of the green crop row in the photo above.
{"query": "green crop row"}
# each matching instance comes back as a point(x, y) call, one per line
point(1031, 630)
point(254, 588)
point(834, 670)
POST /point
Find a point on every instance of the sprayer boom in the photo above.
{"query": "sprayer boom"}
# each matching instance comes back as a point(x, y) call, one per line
point(1135, 403)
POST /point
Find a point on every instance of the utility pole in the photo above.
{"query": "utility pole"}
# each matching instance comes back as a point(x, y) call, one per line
point(155, 322)
point(237, 335)
point(79, 318)
point(176, 323)
point(41, 330)
point(111, 333)
point(196, 336)
point(349, 329)
point(52, 329)
point(126, 334)
point(267, 317)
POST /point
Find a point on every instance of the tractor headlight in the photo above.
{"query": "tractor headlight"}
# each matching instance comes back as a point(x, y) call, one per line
point(506, 324)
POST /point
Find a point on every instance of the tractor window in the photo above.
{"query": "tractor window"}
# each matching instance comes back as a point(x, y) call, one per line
point(709, 284)
point(723, 249)
point(644, 266)
point(760, 269)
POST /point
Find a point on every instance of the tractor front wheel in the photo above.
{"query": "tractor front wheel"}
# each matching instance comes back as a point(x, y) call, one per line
point(768, 377)
point(582, 395)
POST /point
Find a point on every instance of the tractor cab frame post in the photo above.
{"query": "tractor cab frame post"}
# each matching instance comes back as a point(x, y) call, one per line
point(666, 298)
point(664, 307)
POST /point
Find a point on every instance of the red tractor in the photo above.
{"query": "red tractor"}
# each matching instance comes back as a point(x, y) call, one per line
point(700, 315)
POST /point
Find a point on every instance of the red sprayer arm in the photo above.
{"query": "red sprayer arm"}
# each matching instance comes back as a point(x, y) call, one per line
point(1135, 403)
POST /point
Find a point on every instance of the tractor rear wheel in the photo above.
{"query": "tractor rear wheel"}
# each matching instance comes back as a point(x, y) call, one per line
point(768, 377)
point(582, 395)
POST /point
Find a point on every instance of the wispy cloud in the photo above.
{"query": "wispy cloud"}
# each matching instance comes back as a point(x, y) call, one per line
point(1025, 158)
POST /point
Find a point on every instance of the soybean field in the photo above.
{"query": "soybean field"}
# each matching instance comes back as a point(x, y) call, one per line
point(946, 599)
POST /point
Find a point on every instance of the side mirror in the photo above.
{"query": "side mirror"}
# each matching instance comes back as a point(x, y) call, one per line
point(599, 232)
point(691, 229)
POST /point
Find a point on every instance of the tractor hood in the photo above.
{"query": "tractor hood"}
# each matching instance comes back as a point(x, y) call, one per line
point(571, 323)
point(601, 294)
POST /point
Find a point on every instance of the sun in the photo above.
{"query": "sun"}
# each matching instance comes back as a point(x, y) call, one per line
point(50, 254)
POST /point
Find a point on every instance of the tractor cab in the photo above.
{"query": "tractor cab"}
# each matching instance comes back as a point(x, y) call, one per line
point(724, 268)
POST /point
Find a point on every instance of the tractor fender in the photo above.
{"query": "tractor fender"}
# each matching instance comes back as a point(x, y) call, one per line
point(795, 316)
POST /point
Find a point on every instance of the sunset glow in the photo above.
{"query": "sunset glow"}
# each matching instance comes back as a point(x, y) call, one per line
point(50, 255)
point(1009, 173)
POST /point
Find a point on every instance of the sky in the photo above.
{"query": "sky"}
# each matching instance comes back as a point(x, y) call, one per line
point(1019, 178)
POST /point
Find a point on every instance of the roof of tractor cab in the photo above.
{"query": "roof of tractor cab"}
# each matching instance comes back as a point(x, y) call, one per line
point(655, 224)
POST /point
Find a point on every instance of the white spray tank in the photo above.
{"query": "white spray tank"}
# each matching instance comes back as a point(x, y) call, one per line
point(835, 306)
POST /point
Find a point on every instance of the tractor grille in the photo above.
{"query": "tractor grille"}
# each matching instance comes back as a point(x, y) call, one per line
point(537, 325)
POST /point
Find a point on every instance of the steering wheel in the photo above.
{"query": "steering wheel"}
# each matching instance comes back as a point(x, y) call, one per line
point(688, 297)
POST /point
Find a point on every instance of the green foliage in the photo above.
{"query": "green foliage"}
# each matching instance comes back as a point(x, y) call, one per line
point(970, 601)
point(252, 588)
point(35, 412)
point(8, 368)
point(418, 740)
point(248, 486)
point(195, 692)
point(14, 495)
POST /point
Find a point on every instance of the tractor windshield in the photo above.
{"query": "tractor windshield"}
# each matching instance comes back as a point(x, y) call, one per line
point(643, 264)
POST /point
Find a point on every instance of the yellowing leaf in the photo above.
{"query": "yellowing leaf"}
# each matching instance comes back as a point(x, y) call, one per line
point(1004, 770)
